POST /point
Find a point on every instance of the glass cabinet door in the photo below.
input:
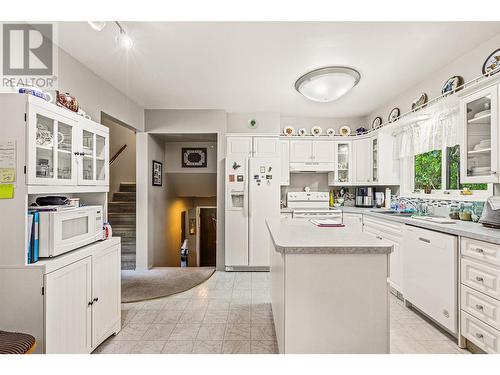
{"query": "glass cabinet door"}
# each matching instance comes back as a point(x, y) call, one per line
point(343, 166)
point(479, 153)
point(375, 159)
point(51, 159)
point(94, 158)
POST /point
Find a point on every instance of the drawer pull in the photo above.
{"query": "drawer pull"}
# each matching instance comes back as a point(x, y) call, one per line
point(424, 240)
point(378, 237)
point(479, 335)
point(479, 250)
point(480, 279)
point(479, 307)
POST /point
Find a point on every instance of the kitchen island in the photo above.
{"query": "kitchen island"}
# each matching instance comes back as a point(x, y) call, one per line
point(329, 289)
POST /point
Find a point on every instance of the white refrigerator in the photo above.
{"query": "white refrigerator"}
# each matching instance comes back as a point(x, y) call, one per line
point(252, 196)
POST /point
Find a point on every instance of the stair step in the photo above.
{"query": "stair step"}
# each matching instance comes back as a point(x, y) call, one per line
point(121, 218)
point(121, 207)
point(124, 196)
point(127, 187)
point(124, 234)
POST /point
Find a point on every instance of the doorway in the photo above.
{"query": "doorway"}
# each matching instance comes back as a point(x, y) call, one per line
point(207, 243)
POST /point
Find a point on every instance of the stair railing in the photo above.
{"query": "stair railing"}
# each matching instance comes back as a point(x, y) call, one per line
point(115, 156)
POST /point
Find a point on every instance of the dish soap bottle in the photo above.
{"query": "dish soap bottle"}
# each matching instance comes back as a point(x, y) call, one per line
point(332, 201)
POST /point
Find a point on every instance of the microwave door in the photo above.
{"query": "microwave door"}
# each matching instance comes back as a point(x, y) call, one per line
point(72, 230)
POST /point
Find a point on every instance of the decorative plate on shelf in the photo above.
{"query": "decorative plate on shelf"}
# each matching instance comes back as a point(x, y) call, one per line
point(393, 115)
point(316, 130)
point(492, 62)
point(377, 122)
point(302, 131)
point(330, 131)
point(345, 130)
point(419, 102)
point(289, 130)
point(452, 84)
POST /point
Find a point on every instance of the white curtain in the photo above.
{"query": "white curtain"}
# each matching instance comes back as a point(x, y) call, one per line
point(428, 129)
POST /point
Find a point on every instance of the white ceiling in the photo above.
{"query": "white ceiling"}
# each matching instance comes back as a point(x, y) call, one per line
point(245, 67)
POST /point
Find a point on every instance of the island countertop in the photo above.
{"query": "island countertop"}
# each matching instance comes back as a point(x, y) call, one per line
point(303, 237)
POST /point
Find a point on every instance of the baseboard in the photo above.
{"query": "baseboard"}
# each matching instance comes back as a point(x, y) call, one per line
point(247, 269)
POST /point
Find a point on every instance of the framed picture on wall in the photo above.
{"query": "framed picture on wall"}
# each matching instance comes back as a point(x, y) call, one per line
point(194, 157)
point(157, 173)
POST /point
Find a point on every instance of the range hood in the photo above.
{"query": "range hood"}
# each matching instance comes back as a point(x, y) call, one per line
point(312, 167)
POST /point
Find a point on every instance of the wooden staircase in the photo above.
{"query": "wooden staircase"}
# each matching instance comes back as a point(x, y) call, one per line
point(122, 216)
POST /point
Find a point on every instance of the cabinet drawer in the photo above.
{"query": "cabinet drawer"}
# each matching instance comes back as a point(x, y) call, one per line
point(485, 251)
point(484, 336)
point(481, 277)
point(384, 226)
point(481, 306)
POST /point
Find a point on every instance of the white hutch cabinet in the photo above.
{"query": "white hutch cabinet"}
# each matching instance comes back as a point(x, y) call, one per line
point(70, 303)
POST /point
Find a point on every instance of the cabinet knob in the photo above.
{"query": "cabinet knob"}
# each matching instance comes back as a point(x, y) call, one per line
point(480, 279)
point(479, 335)
point(90, 303)
point(479, 307)
point(96, 299)
point(378, 237)
point(479, 250)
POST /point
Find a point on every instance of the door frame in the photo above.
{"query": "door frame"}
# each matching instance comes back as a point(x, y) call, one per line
point(198, 227)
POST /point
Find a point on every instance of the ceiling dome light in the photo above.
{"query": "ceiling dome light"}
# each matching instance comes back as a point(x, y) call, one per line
point(327, 84)
point(97, 25)
point(124, 40)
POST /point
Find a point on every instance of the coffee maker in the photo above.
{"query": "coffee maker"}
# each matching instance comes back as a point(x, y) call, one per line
point(364, 197)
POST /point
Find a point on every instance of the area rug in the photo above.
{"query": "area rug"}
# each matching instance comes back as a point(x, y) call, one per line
point(160, 282)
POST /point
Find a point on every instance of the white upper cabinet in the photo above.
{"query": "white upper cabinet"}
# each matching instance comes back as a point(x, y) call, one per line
point(285, 162)
point(301, 151)
point(64, 148)
point(52, 143)
point(479, 159)
point(385, 166)
point(266, 146)
point(342, 174)
point(323, 152)
point(362, 161)
point(236, 145)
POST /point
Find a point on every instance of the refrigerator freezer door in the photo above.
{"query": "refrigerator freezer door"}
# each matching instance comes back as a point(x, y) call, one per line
point(236, 219)
point(264, 203)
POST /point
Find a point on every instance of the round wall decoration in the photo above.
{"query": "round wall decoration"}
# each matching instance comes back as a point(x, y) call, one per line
point(377, 122)
point(419, 102)
point(452, 84)
point(393, 115)
point(492, 62)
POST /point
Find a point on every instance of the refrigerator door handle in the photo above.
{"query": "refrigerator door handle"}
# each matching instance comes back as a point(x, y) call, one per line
point(246, 189)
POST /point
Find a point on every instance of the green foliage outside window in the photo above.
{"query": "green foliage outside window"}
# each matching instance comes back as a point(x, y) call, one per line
point(428, 170)
point(453, 173)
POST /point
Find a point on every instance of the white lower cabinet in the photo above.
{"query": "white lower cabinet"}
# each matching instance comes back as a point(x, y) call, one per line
point(82, 303)
point(392, 232)
point(68, 322)
point(480, 294)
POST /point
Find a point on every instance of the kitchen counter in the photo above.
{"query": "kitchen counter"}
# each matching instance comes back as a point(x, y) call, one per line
point(326, 278)
point(466, 229)
point(303, 237)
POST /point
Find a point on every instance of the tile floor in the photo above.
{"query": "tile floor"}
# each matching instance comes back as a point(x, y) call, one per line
point(231, 313)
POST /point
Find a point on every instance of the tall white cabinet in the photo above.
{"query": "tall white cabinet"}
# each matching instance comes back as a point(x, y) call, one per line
point(69, 303)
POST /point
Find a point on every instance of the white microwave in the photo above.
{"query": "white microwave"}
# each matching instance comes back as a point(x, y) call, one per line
point(69, 229)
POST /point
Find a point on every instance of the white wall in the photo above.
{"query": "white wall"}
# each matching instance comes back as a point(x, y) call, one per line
point(173, 157)
point(95, 94)
point(176, 121)
point(468, 66)
point(268, 122)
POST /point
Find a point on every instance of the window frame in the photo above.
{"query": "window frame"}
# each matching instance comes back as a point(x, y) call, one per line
point(408, 183)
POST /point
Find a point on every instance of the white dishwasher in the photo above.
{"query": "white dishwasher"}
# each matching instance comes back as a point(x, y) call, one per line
point(430, 274)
